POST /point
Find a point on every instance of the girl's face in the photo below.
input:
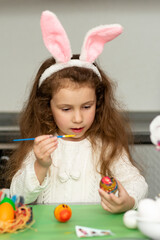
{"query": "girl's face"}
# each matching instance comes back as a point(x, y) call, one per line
point(74, 110)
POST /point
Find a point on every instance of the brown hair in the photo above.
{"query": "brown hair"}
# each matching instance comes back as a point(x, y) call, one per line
point(109, 124)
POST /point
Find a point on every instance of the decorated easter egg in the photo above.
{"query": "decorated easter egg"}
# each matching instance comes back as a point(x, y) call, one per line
point(6, 199)
point(6, 212)
point(108, 184)
point(62, 213)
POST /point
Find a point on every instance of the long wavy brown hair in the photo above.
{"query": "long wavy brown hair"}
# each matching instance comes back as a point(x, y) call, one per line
point(109, 124)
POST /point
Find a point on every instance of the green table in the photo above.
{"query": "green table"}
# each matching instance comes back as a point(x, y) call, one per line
point(46, 227)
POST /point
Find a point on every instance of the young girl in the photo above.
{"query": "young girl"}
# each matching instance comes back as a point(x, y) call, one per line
point(73, 96)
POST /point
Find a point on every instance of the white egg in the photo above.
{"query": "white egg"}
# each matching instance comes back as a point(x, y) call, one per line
point(130, 219)
point(148, 209)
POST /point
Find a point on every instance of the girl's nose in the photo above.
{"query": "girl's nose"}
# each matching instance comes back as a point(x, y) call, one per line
point(77, 117)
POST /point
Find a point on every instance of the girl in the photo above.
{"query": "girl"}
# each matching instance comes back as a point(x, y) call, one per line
point(75, 97)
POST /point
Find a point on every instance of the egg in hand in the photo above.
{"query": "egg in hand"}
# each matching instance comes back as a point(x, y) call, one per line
point(109, 184)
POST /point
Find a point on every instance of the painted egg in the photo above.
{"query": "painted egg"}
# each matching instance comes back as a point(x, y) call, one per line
point(62, 213)
point(6, 199)
point(108, 184)
point(6, 212)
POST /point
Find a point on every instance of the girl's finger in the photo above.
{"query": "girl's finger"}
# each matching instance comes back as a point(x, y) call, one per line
point(108, 207)
point(105, 195)
point(45, 150)
point(41, 138)
point(121, 189)
point(115, 200)
point(105, 207)
point(109, 197)
point(46, 142)
point(50, 150)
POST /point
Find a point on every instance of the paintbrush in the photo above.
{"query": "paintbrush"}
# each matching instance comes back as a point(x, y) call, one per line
point(31, 139)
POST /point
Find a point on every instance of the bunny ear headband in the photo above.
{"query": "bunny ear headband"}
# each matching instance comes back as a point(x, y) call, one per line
point(155, 131)
point(57, 42)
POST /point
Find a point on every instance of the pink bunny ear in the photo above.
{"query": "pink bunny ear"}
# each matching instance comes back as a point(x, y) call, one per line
point(95, 40)
point(55, 37)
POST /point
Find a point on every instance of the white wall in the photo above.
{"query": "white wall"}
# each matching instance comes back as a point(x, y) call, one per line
point(132, 59)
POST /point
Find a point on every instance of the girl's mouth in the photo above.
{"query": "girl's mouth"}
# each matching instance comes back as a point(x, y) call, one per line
point(77, 130)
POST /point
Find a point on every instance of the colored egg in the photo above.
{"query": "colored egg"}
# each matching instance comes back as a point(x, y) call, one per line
point(108, 184)
point(62, 213)
point(6, 199)
point(6, 212)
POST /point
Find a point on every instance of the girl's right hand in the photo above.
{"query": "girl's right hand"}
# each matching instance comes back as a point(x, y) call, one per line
point(43, 147)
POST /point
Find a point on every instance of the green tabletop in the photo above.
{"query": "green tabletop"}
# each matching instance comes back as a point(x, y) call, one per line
point(46, 227)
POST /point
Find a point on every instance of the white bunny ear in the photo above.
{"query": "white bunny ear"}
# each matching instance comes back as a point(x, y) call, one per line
point(95, 40)
point(155, 130)
point(55, 37)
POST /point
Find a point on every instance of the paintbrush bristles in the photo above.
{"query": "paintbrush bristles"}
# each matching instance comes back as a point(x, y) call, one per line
point(64, 136)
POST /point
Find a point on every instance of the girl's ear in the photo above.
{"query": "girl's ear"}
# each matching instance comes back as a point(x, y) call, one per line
point(55, 37)
point(95, 40)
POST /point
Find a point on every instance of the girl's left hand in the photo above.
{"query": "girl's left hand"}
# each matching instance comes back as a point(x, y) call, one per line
point(114, 204)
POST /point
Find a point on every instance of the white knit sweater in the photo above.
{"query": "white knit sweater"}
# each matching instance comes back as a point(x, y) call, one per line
point(72, 176)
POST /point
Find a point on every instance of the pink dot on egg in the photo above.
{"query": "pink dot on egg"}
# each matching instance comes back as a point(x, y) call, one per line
point(107, 180)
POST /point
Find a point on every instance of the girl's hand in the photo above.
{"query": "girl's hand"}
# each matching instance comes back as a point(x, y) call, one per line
point(114, 204)
point(43, 147)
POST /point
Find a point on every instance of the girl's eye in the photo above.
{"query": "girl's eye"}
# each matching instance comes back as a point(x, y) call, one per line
point(87, 106)
point(65, 109)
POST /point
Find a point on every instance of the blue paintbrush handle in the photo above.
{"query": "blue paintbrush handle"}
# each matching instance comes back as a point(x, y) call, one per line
point(23, 139)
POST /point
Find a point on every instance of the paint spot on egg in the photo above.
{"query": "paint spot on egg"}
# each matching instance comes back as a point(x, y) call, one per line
point(63, 213)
